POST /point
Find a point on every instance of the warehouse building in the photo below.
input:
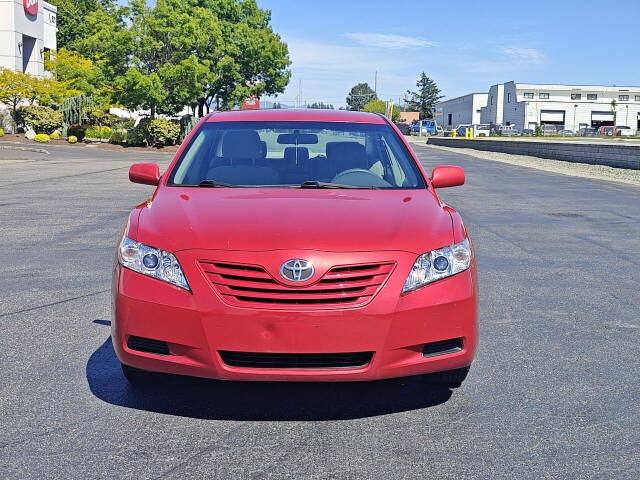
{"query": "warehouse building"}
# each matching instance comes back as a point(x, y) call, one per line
point(526, 105)
point(27, 31)
point(464, 110)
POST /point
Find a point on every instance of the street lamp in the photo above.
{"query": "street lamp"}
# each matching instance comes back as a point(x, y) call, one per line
point(575, 111)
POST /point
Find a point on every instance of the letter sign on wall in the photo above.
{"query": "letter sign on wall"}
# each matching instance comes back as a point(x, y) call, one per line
point(31, 7)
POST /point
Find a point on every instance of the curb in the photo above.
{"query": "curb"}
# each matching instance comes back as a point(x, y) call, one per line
point(24, 149)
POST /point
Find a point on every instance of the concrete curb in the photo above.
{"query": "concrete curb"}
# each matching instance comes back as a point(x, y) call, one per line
point(24, 149)
point(619, 156)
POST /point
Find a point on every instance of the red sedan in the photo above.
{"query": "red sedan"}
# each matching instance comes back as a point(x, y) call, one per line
point(295, 245)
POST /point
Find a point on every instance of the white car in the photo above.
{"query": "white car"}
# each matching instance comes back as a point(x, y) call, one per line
point(624, 131)
point(482, 130)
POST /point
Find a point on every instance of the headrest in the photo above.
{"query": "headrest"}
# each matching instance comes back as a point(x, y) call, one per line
point(347, 155)
point(263, 145)
point(290, 154)
point(241, 144)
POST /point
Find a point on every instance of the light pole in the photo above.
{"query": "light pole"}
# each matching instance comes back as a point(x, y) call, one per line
point(575, 112)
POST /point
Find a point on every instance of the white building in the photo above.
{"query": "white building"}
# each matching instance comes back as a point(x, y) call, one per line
point(526, 105)
point(27, 31)
point(464, 110)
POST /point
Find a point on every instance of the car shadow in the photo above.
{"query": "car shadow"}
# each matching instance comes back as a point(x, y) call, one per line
point(265, 401)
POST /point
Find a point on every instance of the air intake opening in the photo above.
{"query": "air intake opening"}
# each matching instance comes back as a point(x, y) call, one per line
point(296, 360)
point(148, 345)
point(442, 347)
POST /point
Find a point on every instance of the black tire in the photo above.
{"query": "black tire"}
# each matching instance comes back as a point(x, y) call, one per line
point(135, 376)
point(448, 378)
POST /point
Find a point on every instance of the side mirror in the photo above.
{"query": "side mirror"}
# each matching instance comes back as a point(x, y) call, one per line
point(145, 173)
point(447, 176)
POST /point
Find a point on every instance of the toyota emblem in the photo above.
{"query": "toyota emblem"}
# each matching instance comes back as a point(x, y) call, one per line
point(297, 270)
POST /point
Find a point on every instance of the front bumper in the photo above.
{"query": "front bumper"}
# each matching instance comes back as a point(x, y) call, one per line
point(198, 325)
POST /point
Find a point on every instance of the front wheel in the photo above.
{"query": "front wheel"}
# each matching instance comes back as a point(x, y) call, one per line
point(448, 378)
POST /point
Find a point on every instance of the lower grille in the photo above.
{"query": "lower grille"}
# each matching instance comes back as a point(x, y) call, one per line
point(296, 360)
point(442, 347)
point(148, 345)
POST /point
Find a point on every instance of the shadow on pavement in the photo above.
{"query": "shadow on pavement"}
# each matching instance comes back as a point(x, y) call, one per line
point(267, 401)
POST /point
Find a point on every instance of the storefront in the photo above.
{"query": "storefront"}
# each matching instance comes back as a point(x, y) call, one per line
point(27, 32)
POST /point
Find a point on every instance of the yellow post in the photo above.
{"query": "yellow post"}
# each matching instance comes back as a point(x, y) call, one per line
point(454, 133)
point(466, 134)
point(471, 133)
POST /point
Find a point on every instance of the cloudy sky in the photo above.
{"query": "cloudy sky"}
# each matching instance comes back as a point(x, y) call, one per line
point(465, 47)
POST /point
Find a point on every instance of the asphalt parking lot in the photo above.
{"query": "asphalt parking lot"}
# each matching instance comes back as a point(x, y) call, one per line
point(554, 391)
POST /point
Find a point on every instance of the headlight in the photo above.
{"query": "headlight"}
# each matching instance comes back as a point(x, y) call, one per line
point(151, 261)
point(438, 264)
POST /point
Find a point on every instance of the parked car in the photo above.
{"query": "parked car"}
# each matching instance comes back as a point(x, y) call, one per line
point(461, 131)
point(566, 133)
point(548, 130)
point(404, 128)
point(529, 131)
point(482, 130)
point(429, 127)
point(284, 285)
point(588, 132)
point(507, 130)
point(624, 131)
point(607, 131)
point(439, 130)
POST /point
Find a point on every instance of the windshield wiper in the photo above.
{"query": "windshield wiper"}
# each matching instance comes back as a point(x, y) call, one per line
point(316, 184)
point(215, 184)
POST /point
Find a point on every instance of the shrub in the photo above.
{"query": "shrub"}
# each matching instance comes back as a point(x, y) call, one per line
point(118, 136)
point(380, 106)
point(1, 132)
point(95, 131)
point(136, 136)
point(42, 138)
point(39, 118)
point(77, 131)
point(72, 139)
point(163, 132)
point(105, 119)
point(55, 136)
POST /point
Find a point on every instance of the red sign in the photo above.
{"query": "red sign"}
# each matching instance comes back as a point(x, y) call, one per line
point(251, 103)
point(31, 7)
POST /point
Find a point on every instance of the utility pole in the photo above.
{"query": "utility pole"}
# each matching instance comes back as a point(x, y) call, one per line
point(375, 84)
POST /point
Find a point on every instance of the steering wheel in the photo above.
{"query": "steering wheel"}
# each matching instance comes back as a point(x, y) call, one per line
point(360, 177)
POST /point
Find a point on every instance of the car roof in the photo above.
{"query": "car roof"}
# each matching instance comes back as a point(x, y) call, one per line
point(296, 115)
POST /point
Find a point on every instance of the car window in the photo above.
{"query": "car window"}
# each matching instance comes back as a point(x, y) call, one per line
point(286, 154)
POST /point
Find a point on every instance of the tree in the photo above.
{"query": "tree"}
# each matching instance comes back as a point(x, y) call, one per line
point(321, 105)
point(360, 95)
point(141, 90)
point(425, 99)
point(75, 71)
point(15, 88)
point(72, 15)
point(380, 106)
point(614, 104)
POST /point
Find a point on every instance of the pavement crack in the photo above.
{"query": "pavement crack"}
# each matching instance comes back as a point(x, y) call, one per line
point(54, 303)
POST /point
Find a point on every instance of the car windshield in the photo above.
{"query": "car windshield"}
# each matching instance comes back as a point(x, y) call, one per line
point(296, 154)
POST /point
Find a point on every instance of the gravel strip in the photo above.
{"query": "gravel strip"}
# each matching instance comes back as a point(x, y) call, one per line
point(584, 170)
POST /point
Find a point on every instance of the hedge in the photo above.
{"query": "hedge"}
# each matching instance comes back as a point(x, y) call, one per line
point(94, 131)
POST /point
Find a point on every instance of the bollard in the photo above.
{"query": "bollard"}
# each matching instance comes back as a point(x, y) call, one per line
point(454, 133)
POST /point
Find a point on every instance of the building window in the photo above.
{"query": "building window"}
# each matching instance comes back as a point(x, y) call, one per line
point(528, 95)
point(623, 98)
point(491, 100)
point(592, 96)
point(637, 98)
point(508, 98)
point(544, 96)
point(576, 96)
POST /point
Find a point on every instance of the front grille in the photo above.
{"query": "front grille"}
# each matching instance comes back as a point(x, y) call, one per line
point(252, 285)
point(148, 345)
point(442, 347)
point(296, 360)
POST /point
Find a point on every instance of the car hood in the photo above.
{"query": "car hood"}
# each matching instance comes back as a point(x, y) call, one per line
point(254, 219)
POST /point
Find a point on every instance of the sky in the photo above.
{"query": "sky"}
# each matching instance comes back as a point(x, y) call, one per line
point(465, 46)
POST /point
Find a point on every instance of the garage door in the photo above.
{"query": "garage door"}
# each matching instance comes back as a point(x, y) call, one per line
point(552, 116)
point(602, 117)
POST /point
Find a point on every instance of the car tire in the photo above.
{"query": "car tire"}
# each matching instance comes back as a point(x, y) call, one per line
point(135, 376)
point(448, 378)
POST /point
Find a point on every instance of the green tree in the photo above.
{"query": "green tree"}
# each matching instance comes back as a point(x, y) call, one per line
point(15, 88)
point(425, 99)
point(75, 71)
point(141, 90)
point(321, 105)
point(614, 104)
point(380, 106)
point(72, 15)
point(360, 95)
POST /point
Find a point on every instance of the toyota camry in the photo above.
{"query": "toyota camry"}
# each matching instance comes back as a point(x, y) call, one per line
point(295, 245)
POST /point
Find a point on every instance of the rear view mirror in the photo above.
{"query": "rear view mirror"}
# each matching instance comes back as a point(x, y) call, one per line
point(447, 176)
point(297, 139)
point(145, 173)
